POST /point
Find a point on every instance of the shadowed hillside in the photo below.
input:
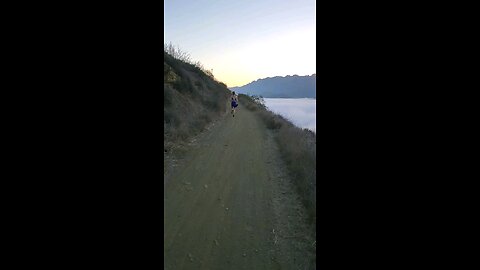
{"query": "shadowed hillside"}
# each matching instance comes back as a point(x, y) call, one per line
point(192, 99)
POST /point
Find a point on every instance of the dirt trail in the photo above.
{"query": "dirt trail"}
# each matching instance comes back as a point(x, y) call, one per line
point(230, 205)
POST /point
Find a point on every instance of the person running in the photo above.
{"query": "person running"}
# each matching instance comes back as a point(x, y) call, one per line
point(234, 102)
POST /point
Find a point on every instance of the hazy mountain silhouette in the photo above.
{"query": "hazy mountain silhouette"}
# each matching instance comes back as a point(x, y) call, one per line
point(281, 87)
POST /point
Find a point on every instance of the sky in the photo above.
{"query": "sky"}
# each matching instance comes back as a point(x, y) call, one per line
point(244, 40)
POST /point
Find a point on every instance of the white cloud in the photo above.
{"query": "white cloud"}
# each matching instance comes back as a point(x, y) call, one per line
point(301, 112)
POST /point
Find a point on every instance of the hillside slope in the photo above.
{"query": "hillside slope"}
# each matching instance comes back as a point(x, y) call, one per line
point(281, 87)
point(192, 99)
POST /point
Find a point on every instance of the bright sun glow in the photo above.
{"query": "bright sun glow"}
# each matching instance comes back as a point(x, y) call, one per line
point(288, 54)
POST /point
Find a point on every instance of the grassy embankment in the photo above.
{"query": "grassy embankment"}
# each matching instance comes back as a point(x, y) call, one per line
point(192, 97)
point(298, 150)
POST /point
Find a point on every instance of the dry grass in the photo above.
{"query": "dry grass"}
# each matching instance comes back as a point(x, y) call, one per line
point(300, 158)
point(298, 150)
point(192, 99)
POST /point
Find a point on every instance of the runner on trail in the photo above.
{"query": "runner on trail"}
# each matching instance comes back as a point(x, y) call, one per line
point(234, 102)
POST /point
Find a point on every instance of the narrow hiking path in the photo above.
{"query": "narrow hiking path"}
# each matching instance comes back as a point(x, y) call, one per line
point(230, 205)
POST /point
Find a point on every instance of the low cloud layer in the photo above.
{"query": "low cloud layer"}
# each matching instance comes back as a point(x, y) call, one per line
point(300, 111)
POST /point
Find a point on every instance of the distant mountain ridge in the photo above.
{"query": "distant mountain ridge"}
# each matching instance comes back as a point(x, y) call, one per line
point(281, 87)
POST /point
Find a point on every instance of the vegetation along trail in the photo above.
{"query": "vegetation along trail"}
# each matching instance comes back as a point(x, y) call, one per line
point(231, 205)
